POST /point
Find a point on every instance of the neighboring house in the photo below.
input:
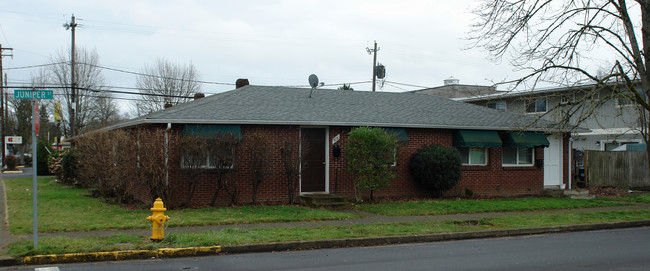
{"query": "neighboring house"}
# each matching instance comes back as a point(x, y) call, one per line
point(612, 121)
point(499, 158)
point(453, 89)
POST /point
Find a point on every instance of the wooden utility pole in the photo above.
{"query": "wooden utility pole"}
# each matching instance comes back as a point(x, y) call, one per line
point(3, 102)
point(73, 105)
point(374, 64)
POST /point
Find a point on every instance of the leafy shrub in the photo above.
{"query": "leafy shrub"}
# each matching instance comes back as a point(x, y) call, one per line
point(436, 167)
point(11, 161)
point(371, 154)
point(43, 151)
point(70, 166)
point(28, 160)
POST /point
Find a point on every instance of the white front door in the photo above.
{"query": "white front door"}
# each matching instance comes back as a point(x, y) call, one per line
point(553, 161)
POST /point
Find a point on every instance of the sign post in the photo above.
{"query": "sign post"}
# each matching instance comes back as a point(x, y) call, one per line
point(34, 94)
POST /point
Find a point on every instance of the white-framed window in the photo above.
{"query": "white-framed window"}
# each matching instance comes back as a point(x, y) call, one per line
point(564, 100)
point(620, 102)
point(536, 105)
point(473, 156)
point(608, 145)
point(207, 161)
point(497, 105)
point(395, 158)
point(518, 156)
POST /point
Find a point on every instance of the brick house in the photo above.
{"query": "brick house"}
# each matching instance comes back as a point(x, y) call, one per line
point(500, 158)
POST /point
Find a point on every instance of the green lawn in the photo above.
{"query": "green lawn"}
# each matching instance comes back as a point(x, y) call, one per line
point(439, 207)
point(59, 245)
point(62, 208)
point(643, 198)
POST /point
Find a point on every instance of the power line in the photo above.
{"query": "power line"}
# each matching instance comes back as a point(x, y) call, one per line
point(36, 66)
point(408, 85)
point(158, 76)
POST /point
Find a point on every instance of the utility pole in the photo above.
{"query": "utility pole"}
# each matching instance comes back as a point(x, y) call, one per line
point(3, 103)
point(374, 64)
point(72, 25)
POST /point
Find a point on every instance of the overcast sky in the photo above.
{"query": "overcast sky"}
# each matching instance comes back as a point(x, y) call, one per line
point(277, 43)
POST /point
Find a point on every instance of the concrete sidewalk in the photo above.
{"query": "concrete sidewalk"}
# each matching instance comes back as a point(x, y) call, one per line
point(367, 218)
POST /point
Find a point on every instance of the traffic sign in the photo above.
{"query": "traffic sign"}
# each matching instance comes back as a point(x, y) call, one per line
point(35, 93)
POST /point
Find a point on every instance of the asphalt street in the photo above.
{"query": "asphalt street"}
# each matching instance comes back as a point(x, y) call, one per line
point(621, 249)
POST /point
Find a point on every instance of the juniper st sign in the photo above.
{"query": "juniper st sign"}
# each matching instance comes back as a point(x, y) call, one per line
point(38, 94)
point(34, 95)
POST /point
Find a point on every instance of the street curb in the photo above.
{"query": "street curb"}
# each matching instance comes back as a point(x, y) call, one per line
point(425, 238)
point(121, 255)
point(316, 244)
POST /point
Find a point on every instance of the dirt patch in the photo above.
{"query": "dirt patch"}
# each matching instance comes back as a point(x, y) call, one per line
point(612, 192)
point(472, 223)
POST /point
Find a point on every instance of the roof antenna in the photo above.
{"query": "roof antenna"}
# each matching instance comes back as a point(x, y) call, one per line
point(313, 82)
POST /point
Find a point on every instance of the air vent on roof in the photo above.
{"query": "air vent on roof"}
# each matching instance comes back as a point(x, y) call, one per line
point(451, 81)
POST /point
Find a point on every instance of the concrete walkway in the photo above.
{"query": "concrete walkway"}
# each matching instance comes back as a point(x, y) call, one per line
point(6, 238)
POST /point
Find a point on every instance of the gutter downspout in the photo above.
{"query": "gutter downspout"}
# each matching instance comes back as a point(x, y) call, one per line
point(570, 160)
point(169, 127)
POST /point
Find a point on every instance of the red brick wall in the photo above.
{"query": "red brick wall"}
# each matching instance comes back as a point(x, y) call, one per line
point(272, 190)
point(490, 180)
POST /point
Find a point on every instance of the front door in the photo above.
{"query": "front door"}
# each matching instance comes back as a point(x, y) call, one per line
point(553, 161)
point(312, 179)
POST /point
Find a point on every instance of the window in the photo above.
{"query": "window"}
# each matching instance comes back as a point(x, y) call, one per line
point(595, 96)
point(536, 106)
point(564, 100)
point(518, 156)
point(207, 160)
point(608, 145)
point(623, 102)
point(497, 105)
point(473, 155)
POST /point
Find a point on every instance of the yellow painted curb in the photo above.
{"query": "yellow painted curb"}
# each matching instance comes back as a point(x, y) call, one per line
point(121, 255)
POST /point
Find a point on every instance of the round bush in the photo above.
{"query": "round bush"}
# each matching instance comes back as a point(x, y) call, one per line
point(436, 167)
point(11, 161)
point(70, 165)
point(43, 157)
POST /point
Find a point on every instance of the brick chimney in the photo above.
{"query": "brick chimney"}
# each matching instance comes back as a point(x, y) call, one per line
point(241, 82)
point(198, 96)
point(168, 105)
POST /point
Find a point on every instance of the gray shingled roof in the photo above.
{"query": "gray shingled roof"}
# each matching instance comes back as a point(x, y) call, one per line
point(293, 106)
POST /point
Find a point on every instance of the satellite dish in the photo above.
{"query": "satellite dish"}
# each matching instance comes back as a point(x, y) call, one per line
point(313, 81)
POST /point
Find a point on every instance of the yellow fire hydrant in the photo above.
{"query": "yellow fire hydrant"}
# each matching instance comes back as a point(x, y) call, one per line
point(158, 219)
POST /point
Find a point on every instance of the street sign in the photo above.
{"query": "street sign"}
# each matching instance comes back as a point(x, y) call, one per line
point(13, 140)
point(36, 94)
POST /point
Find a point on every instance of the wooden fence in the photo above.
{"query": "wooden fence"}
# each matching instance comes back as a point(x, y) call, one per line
point(623, 169)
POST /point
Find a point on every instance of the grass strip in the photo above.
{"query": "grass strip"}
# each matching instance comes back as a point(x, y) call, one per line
point(234, 236)
point(644, 198)
point(62, 208)
point(441, 207)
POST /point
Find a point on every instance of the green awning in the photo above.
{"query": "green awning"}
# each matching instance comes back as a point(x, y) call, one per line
point(524, 140)
point(399, 133)
point(210, 129)
point(476, 138)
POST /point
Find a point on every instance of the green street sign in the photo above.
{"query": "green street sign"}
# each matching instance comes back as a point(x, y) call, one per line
point(36, 94)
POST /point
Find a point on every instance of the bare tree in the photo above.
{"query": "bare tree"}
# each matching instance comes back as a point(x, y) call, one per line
point(260, 151)
point(103, 112)
point(222, 149)
point(166, 83)
point(555, 40)
point(194, 158)
point(89, 85)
